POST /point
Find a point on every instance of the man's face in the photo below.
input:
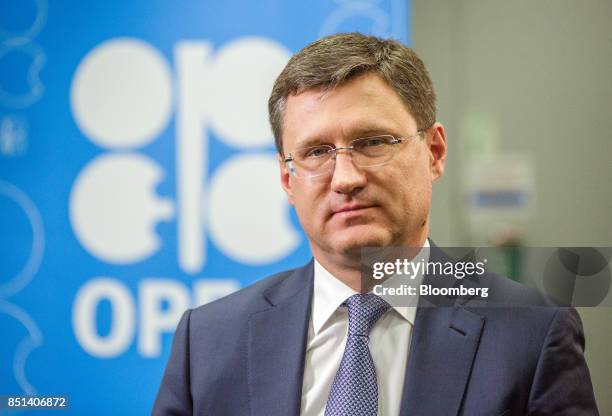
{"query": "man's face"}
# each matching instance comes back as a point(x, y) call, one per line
point(354, 207)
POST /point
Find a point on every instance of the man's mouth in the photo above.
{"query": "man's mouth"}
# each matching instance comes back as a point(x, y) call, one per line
point(351, 209)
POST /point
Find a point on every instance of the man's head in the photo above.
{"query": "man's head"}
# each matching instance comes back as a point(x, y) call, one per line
point(333, 60)
point(347, 87)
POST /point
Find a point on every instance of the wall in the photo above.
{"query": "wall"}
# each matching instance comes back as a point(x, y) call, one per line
point(539, 72)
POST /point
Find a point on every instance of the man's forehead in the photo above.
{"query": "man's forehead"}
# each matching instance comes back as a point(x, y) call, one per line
point(367, 84)
point(365, 105)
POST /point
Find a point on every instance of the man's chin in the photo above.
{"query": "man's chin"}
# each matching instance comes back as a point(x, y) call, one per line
point(352, 243)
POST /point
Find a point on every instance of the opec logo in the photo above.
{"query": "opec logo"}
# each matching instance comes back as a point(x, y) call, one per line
point(123, 96)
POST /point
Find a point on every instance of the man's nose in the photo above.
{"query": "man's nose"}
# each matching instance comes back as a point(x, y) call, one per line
point(347, 177)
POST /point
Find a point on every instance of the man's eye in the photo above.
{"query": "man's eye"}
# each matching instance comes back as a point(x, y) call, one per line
point(373, 141)
point(317, 152)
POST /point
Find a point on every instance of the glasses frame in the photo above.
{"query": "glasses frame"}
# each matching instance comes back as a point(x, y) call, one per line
point(289, 159)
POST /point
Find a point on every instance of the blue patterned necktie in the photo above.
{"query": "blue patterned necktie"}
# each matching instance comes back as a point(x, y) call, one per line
point(354, 391)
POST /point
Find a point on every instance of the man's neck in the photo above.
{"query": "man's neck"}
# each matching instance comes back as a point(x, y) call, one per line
point(347, 268)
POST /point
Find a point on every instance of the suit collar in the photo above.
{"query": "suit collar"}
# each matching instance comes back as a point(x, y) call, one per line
point(277, 346)
point(298, 280)
point(444, 343)
point(442, 352)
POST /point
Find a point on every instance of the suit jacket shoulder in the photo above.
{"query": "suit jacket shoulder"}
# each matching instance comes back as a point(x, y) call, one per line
point(214, 358)
point(239, 304)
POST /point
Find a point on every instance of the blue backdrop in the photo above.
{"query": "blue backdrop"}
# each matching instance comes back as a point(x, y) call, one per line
point(138, 177)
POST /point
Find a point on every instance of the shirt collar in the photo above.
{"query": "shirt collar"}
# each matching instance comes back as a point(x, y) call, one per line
point(330, 292)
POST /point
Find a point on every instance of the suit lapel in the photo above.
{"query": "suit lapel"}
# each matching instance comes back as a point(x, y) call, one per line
point(277, 344)
point(442, 351)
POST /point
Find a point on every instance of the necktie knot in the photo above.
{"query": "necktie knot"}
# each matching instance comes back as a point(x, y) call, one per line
point(364, 311)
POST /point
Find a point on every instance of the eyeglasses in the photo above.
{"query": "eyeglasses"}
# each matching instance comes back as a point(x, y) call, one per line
point(309, 162)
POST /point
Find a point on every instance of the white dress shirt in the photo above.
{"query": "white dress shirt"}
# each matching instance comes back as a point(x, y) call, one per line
point(389, 345)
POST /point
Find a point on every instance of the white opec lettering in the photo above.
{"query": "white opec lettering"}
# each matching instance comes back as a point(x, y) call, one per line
point(121, 99)
point(154, 320)
point(84, 317)
point(161, 304)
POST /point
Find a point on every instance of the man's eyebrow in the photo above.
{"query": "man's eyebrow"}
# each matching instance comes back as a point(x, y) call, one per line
point(309, 142)
point(371, 131)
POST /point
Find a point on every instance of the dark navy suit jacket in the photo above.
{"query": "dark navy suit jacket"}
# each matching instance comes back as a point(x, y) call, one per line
point(244, 355)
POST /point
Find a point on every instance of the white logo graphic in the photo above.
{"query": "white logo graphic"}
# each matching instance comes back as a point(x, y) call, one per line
point(122, 98)
point(232, 192)
point(119, 191)
point(122, 94)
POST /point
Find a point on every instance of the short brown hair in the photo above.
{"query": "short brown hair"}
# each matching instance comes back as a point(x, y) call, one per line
point(333, 60)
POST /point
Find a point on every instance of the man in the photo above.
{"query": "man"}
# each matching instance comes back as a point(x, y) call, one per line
point(359, 148)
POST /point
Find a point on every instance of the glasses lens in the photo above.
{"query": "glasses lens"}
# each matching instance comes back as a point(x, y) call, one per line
point(318, 161)
point(371, 151)
point(312, 161)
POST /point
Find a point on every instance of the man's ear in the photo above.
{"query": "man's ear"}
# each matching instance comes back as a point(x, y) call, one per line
point(436, 143)
point(285, 178)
